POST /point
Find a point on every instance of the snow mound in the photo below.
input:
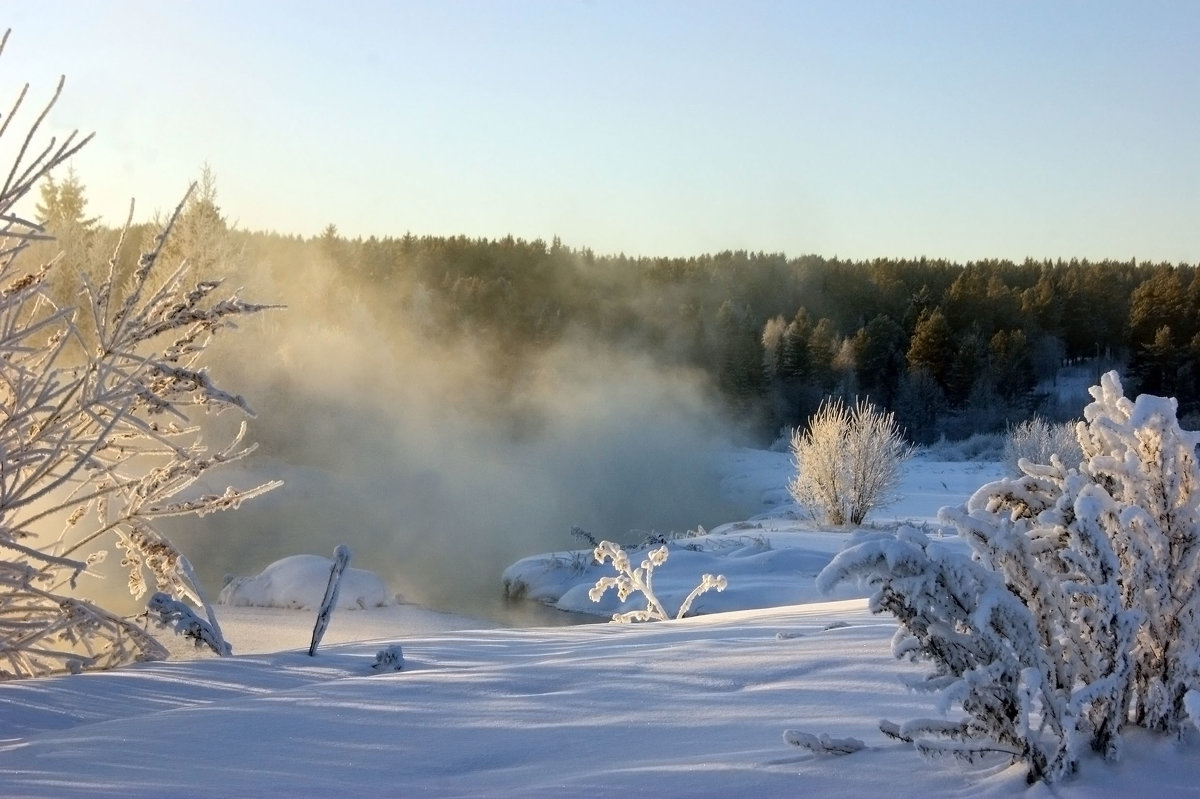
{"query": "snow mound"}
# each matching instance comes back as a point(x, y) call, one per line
point(299, 582)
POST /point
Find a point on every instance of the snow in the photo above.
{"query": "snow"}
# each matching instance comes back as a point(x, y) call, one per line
point(692, 708)
point(769, 560)
point(299, 582)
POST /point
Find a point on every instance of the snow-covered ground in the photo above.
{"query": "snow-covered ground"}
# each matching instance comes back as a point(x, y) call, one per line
point(769, 560)
point(689, 708)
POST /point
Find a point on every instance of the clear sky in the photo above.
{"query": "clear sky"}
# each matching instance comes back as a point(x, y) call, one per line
point(955, 129)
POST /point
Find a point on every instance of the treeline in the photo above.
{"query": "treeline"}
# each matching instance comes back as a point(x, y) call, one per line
point(950, 348)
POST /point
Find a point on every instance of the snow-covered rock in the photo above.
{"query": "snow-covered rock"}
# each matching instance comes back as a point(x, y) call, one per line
point(299, 582)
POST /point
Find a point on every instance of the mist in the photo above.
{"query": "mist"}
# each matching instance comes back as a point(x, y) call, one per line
point(436, 461)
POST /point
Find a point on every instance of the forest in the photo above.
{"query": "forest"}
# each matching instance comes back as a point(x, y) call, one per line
point(950, 348)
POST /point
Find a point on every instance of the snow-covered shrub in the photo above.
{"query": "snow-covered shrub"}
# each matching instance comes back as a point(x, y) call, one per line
point(1036, 440)
point(389, 659)
point(630, 580)
point(847, 460)
point(1076, 613)
point(96, 437)
point(976, 447)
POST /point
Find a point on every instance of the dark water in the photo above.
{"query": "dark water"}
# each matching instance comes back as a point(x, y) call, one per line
point(523, 613)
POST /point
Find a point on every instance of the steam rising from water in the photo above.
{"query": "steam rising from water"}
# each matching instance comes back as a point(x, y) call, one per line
point(435, 473)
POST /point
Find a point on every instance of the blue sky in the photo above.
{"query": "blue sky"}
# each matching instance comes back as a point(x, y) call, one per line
point(861, 129)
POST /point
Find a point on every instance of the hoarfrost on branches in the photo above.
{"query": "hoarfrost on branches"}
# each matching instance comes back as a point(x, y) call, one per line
point(631, 580)
point(1077, 612)
point(95, 434)
point(847, 461)
point(1036, 440)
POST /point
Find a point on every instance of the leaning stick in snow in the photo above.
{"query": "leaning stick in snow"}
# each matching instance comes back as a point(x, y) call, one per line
point(341, 557)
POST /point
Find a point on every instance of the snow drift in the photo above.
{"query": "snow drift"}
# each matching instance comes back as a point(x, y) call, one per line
point(299, 582)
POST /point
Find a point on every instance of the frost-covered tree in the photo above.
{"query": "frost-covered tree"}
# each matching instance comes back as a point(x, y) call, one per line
point(201, 234)
point(1035, 440)
point(97, 438)
point(1076, 613)
point(62, 210)
point(847, 460)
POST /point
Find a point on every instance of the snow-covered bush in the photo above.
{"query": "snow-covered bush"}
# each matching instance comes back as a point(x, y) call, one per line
point(976, 447)
point(630, 580)
point(1076, 613)
point(1036, 440)
point(848, 461)
point(96, 437)
point(390, 658)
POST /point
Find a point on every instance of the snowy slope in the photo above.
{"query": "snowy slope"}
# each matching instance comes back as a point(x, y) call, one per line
point(679, 709)
point(693, 708)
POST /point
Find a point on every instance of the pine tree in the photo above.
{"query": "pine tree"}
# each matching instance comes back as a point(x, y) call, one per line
point(739, 365)
point(970, 360)
point(202, 235)
point(1159, 301)
point(879, 353)
point(1011, 365)
point(931, 347)
point(823, 346)
point(1155, 366)
point(62, 206)
point(62, 211)
point(920, 402)
point(797, 361)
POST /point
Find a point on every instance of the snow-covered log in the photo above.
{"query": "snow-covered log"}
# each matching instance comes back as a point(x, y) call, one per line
point(823, 744)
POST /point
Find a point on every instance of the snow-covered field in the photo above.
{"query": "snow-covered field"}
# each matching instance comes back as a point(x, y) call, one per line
point(688, 708)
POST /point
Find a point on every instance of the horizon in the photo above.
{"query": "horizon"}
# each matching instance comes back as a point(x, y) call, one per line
point(855, 131)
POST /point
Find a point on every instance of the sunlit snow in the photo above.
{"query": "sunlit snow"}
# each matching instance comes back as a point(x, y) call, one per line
point(700, 707)
point(299, 581)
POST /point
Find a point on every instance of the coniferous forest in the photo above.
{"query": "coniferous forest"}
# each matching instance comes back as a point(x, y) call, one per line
point(951, 348)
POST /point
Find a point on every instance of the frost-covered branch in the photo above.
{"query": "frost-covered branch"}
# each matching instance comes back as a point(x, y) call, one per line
point(630, 580)
point(185, 622)
point(95, 439)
